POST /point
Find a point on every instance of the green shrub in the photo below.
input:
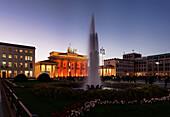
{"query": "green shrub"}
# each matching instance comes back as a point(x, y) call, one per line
point(21, 78)
point(126, 94)
point(43, 77)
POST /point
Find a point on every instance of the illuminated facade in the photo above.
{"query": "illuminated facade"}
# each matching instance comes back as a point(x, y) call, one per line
point(121, 67)
point(133, 64)
point(68, 64)
point(16, 59)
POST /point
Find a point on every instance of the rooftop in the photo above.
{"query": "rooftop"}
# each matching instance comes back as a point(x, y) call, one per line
point(16, 45)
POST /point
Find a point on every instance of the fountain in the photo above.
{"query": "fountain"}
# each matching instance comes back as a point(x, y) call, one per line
point(94, 81)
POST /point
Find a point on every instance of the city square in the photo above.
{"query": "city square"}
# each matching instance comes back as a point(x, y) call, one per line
point(84, 58)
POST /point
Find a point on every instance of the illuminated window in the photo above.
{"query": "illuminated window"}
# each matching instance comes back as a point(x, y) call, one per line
point(15, 73)
point(15, 64)
point(30, 58)
point(31, 74)
point(21, 57)
point(9, 73)
point(3, 49)
point(3, 64)
point(27, 73)
point(20, 64)
point(10, 56)
point(9, 64)
point(26, 65)
point(26, 51)
point(26, 58)
point(15, 50)
point(31, 52)
point(10, 49)
point(15, 56)
point(3, 55)
point(20, 50)
point(20, 72)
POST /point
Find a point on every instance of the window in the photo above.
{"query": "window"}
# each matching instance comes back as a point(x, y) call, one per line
point(10, 56)
point(15, 64)
point(27, 73)
point(9, 64)
point(26, 58)
point(31, 74)
point(15, 50)
point(21, 57)
point(15, 56)
point(9, 73)
point(3, 55)
point(15, 73)
point(4, 49)
point(26, 65)
point(30, 65)
point(10, 49)
point(20, 50)
point(4, 64)
point(26, 51)
point(20, 64)
point(30, 58)
point(20, 72)
point(31, 52)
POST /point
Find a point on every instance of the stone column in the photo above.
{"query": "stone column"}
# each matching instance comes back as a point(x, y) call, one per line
point(45, 67)
point(52, 72)
point(40, 68)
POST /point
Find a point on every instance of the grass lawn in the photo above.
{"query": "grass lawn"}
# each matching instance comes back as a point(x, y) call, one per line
point(146, 110)
point(41, 106)
point(44, 106)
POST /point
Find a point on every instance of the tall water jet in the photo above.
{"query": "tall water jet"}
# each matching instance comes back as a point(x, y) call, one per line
point(93, 73)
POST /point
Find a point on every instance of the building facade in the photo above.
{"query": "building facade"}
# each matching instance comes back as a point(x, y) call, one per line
point(69, 64)
point(155, 65)
point(122, 67)
point(133, 64)
point(16, 59)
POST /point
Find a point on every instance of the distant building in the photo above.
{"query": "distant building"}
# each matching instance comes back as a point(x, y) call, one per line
point(135, 64)
point(16, 59)
point(131, 56)
point(69, 64)
point(155, 65)
point(122, 67)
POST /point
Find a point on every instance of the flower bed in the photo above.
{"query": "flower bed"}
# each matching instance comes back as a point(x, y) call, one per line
point(80, 108)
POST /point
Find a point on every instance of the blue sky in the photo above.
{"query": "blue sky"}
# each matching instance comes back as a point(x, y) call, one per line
point(122, 25)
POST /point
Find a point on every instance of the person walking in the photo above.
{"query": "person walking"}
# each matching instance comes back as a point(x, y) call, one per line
point(166, 81)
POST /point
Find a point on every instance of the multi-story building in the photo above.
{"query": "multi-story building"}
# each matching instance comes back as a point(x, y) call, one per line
point(16, 59)
point(69, 64)
point(122, 67)
point(155, 65)
point(135, 64)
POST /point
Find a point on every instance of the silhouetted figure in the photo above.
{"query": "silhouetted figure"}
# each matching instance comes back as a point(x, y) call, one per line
point(146, 80)
point(166, 81)
point(134, 79)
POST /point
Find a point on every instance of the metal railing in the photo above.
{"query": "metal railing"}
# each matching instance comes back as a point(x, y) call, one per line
point(16, 102)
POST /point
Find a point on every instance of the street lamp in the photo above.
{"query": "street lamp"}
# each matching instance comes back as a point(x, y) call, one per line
point(102, 52)
point(157, 63)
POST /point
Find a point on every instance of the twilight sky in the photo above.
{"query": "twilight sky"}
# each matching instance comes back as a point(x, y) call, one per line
point(122, 25)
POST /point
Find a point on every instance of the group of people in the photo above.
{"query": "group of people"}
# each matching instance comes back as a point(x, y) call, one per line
point(146, 79)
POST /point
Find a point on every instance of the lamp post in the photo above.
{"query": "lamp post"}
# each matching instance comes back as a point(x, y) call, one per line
point(102, 52)
point(157, 67)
